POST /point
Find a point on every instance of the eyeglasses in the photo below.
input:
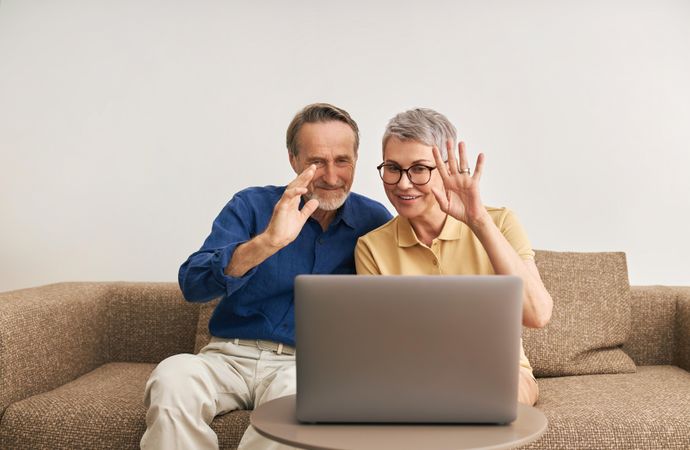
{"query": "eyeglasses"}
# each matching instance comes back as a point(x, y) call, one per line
point(418, 174)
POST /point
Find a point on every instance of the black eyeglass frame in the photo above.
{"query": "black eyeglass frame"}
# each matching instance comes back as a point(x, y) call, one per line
point(407, 172)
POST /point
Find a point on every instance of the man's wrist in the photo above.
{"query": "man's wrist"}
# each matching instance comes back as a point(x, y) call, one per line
point(267, 242)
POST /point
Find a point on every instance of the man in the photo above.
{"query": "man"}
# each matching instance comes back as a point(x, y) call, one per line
point(259, 242)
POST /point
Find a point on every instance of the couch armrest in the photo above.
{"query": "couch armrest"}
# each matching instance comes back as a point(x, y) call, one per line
point(52, 334)
point(48, 336)
point(653, 312)
point(147, 322)
point(682, 354)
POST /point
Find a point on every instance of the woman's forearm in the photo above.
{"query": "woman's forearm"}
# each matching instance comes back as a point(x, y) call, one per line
point(537, 303)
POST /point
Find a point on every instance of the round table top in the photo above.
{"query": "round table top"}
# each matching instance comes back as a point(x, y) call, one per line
point(276, 420)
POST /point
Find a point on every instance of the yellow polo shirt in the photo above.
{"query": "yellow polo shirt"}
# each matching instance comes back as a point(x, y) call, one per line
point(393, 249)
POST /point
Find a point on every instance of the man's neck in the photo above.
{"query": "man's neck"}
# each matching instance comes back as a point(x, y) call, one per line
point(324, 217)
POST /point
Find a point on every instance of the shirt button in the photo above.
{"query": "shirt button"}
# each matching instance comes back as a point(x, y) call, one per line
point(320, 241)
point(435, 261)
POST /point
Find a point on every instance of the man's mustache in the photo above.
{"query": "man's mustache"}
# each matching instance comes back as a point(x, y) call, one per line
point(322, 185)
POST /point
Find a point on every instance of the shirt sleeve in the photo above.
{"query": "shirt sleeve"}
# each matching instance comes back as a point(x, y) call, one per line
point(364, 260)
point(516, 235)
point(202, 277)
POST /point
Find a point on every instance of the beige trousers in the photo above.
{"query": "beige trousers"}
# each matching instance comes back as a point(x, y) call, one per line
point(185, 392)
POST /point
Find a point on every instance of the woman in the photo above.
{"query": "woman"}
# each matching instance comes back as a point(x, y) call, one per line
point(442, 226)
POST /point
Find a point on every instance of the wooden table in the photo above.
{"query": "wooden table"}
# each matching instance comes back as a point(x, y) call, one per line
point(276, 420)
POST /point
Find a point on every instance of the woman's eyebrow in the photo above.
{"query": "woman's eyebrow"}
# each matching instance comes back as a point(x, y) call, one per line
point(419, 161)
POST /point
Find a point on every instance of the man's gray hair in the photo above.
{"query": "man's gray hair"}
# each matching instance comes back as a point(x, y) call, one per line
point(315, 113)
point(422, 125)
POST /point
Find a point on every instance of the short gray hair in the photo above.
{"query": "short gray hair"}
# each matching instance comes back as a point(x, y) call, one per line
point(315, 113)
point(422, 125)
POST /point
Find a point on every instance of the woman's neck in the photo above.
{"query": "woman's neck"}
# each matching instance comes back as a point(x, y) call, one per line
point(428, 227)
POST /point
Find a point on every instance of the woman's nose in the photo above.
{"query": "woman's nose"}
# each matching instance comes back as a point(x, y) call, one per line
point(404, 181)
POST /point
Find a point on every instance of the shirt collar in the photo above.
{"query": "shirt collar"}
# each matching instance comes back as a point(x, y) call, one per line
point(347, 213)
point(451, 231)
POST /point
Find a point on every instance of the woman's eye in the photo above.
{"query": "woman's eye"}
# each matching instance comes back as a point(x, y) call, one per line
point(393, 169)
point(418, 169)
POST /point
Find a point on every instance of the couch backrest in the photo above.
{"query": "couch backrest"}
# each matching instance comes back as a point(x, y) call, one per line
point(591, 315)
point(652, 340)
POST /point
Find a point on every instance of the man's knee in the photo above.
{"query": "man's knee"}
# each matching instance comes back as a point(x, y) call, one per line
point(178, 380)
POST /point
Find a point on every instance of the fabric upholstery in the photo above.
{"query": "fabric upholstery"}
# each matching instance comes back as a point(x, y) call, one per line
point(62, 390)
point(652, 339)
point(649, 409)
point(203, 336)
point(682, 353)
point(591, 315)
point(48, 336)
point(101, 410)
point(154, 313)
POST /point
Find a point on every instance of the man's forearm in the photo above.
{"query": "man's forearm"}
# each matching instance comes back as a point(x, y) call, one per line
point(506, 261)
point(249, 255)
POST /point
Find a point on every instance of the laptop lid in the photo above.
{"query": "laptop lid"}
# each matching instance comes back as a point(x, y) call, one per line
point(440, 349)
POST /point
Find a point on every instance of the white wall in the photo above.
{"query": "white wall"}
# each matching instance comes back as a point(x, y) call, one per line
point(125, 126)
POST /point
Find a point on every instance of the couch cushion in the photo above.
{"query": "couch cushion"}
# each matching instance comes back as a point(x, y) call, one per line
point(648, 409)
point(591, 315)
point(101, 410)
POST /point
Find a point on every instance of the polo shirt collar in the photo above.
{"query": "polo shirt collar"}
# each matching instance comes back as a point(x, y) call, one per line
point(451, 231)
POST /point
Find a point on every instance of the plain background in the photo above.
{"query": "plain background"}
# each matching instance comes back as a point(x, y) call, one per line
point(126, 126)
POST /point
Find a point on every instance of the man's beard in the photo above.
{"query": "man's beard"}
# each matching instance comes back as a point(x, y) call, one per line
point(329, 204)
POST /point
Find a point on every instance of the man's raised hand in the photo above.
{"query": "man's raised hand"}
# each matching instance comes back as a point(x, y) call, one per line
point(287, 219)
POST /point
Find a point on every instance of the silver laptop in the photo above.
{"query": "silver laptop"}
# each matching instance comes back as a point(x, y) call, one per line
point(413, 349)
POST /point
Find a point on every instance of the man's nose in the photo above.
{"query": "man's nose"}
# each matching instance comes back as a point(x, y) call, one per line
point(330, 174)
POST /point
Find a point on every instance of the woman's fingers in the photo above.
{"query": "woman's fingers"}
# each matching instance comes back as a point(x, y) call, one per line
point(452, 160)
point(479, 168)
point(464, 165)
point(440, 165)
point(441, 199)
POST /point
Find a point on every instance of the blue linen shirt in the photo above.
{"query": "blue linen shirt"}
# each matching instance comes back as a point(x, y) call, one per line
point(260, 304)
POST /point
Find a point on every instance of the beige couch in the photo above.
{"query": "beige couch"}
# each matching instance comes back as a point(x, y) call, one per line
point(74, 358)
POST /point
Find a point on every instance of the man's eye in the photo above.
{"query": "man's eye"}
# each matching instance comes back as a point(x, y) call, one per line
point(343, 162)
point(318, 163)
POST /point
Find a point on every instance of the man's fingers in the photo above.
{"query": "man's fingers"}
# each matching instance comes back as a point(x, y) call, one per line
point(294, 191)
point(304, 178)
point(309, 208)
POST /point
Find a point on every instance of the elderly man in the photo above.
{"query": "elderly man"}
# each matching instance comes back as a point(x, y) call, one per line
point(259, 242)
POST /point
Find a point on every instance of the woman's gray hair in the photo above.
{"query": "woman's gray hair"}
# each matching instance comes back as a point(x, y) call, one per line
point(422, 125)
